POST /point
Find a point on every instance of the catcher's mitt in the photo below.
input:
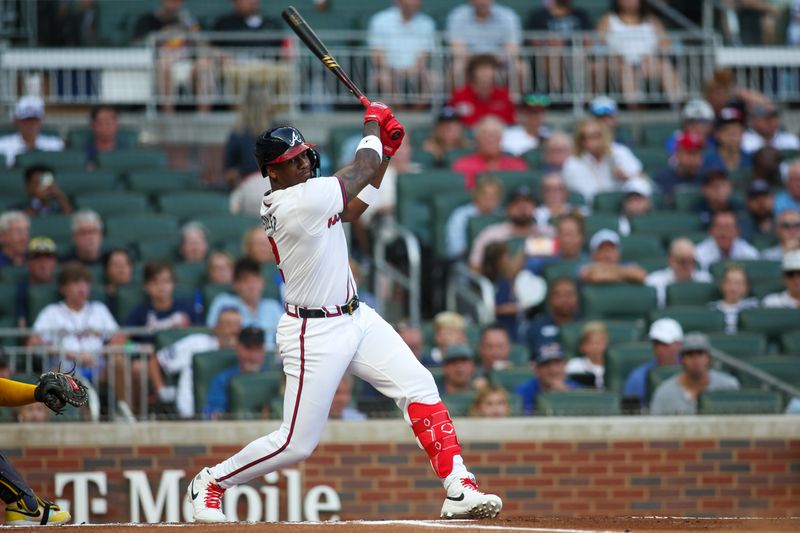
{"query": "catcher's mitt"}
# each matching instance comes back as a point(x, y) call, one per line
point(57, 390)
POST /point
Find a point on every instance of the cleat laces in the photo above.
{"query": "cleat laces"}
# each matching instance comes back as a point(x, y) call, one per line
point(213, 496)
point(469, 483)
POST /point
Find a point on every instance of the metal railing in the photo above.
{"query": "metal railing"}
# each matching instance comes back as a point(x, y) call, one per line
point(470, 293)
point(388, 276)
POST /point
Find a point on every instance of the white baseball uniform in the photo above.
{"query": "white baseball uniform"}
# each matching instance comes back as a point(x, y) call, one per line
point(304, 227)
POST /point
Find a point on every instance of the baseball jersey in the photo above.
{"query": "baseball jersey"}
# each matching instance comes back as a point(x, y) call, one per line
point(80, 328)
point(305, 231)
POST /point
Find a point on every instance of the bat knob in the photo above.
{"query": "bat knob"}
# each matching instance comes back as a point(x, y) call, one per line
point(395, 135)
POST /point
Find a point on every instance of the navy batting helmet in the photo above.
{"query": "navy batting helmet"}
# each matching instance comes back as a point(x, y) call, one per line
point(281, 144)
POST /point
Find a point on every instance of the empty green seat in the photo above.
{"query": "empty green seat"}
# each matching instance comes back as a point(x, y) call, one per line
point(187, 204)
point(619, 331)
point(74, 182)
point(157, 249)
point(136, 227)
point(442, 206)
point(692, 293)
point(413, 192)
point(578, 403)
point(598, 221)
point(740, 402)
point(665, 224)
point(609, 202)
point(656, 134)
point(226, 228)
point(57, 227)
point(622, 359)
point(8, 305)
point(13, 273)
point(511, 179)
point(771, 322)
point(12, 182)
point(66, 159)
point(520, 355)
point(755, 269)
point(618, 301)
point(693, 318)
point(205, 366)
point(113, 203)
point(637, 247)
point(653, 158)
point(192, 274)
point(249, 393)
point(651, 264)
point(165, 337)
point(688, 198)
point(132, 159)
point(79, 138)
point(562, 269)
point(763, 287)
point(740, 345)
point(153, 181)
point(783, 367)
point(791, 342)
point(511, 378)
point(458, 403)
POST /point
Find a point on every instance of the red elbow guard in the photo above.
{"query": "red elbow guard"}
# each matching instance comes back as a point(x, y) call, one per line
point(436, 434)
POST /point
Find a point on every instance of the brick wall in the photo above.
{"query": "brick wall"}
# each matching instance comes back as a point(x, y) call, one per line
point(382, 480)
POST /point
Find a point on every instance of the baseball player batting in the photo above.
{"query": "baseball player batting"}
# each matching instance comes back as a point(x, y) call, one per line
point(325, 331)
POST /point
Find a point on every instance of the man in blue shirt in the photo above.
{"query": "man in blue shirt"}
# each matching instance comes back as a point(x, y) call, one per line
point(551, 376)
point(666, 335)
point(562, 309)
point(251, 360)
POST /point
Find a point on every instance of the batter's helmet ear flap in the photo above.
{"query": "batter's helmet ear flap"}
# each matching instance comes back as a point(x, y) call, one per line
point(313, 157)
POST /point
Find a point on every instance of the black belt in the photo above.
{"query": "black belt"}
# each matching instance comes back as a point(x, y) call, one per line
point(336, 310)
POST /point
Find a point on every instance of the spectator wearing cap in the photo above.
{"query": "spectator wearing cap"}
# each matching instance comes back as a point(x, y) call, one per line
point(684, 168)
point(734, 288)
point(28, 115)
point(790, 198)
point(487, 197)
point(41, 263)
point(637, 201)
point(757, 220)
point(551, 376)
point(448, 134)
point(605, 110)
point(597, 164)
point(531, 132)
point(44, 196)
point(401, 39)
point(605, 266)
point(717, 196)
point(665, 336)
point(482, 96)
point(723, 242)
point(787, 229)
point(697, 119)
point(488, 156)
point(458, 370)
point(520, 223)
point(765, 130)
point(563, 307)
point(679, 394)
point(728, 153)
point(681, 269)
point(15, 229)
point(557, 150)
point(251, 359)
point(87, 238)
point(790, 298)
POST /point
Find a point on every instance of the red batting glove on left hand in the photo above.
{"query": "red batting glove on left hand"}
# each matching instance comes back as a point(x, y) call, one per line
point(379, 112)
point(390, 146)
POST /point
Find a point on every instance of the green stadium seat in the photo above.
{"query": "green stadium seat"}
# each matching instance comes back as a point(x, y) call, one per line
point(687, 198)
point(75, 182)
point(619, 331)
point(782, 367)
point(211, 290)
point(622, 359)
point(562, 269)
point(13, 273)
point(205, 366)
point(609, 202)
point(693, 318)
point(765, 286)
point(596, 222)
point(740, 345)
point(66, 159)
point(511, 179)
point(740, 402)
point(656, 134)
point(80, 138)
point(520, 355)
point(651, 264)
point(533, 158)
point(157, 249)
point(666, 224)
point(337, 137)
point(637, 247)
point(771, 322)
point(12, 183)
point(578, 403)
point(227, 228)
point(138, 227)
point(511, 378)
point(191, 274)
point(249, 393)
point(458, 403)
point(659, 375)
point(113, 203)
point(187, 204)
point(8, 305)
point(132, 159)
point(271, 273)
point(57, 227)
point(692, 293)
point(790, 342)
point(157, 181)
point(480, 223)
point(618, 301)
point(165, 337)
point(653, 158)
point(756, 269)
point(442, 206)
point(413, 193)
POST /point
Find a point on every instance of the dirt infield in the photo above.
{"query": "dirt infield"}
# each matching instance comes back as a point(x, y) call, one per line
point(520, 525)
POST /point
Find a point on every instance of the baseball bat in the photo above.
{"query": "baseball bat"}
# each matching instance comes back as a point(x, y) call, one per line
point(318, 48)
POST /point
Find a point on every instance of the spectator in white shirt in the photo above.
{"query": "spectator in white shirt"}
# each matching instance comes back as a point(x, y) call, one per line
point(790, 298)
point(765, 129)
point(531, 132)
point(588, 368)
point(28, 115)
point(787, 229)
point(637, 202)
point(486, 200)
point(723, 242)
point(554, 195)
point(681, 269)
point(734, 289)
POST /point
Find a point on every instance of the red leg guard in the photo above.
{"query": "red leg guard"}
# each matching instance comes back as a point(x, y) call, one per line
point(436, 435)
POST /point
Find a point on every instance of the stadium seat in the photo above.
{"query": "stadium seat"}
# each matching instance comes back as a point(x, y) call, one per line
point(271, 276)
point(771, 322)
point(687, 198)
point(8, 305)
point(79, 138)
point(511, 378)
point(656, 134)
point(790, 342)
point(511, 179)
point(187, 204)
point(413, 193)
point(598, 221)
point(137, 227)
point(211, 290)
point(66, 159)
point(458, 403)
point(157, 249)
point(740, 345)
point(205, 366)
point(756, 269)
point(113, 203)
point(337, 138)
point(165, 337)
point(657, 376)
point(782, 367)
point(609, 202)
point(132, 159)
point(622, 359)
point(692, 293)
point(74, 182)
point(13, 274)
point(442, 206)
point(479, 223)
point(562, 269)
point(653, 158)
point(740, 402)
point(12, 183)
point(762, 287)
point(227, 228)
point(618, 301)
point(578, 403)
point(666, 224)
point(249, 393)
point(619, 331)
point(651, 264)
point(520, 355)
point(156, 181)
point(637, 247)
point(693, 318)
point(191, 274)
point(57, 227)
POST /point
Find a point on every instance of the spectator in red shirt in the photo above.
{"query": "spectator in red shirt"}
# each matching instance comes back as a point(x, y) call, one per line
point(488, 156)
point(481, 97)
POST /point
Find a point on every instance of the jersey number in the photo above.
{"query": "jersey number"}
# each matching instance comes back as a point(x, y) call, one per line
point(277, 257)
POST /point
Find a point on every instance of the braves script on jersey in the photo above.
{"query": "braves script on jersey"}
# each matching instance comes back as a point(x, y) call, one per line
point(307, 238)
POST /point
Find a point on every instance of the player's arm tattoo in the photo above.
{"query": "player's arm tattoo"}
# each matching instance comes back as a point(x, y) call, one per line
point(355, 207)
point(356, 176)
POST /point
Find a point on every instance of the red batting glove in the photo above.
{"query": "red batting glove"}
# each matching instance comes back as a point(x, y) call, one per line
point(379, 112)
point(390, 145)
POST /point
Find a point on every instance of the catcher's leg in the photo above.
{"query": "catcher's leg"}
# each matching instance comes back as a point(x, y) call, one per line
point(12, 487)
point(23, 507)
